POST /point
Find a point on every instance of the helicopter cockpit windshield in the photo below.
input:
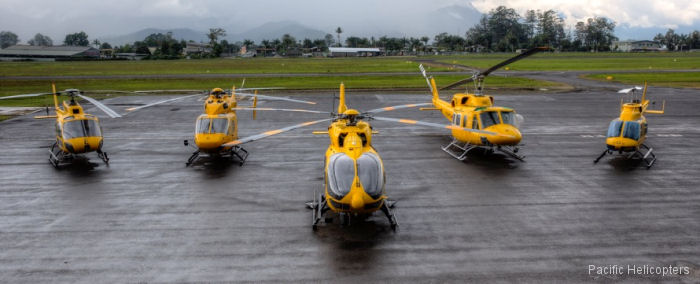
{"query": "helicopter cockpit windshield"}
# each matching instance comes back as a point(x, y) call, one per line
point(508, 117)
point(212, 125)
point(615, 128)
point(369, 170)
point(341, 173)
point(81, 128)
point(489, 118)
point(632, 130)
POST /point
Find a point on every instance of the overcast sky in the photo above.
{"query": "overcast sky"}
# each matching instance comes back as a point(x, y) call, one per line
point(357, 17)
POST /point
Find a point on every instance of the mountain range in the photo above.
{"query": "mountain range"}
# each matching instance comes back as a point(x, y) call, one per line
point(453, 19)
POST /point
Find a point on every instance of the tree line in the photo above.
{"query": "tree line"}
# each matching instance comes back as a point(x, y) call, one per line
point(502, 30)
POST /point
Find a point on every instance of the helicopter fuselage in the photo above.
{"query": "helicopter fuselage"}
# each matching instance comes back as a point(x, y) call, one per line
point(76, 131)
point(477, 112)
point(628, 132)
point(354, 172)
point(218, 125)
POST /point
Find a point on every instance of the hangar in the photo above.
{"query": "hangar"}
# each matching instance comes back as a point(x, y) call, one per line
point(48, 53)
point(351, 51)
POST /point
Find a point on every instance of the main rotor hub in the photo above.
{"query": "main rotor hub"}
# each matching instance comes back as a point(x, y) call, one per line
point(217, 92)
point(351, 115)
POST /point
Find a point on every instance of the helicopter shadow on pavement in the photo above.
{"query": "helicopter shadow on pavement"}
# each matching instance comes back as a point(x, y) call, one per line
point(623, 164)
point(214, 167)
point(81, 166)
point(487, 160)
point(352, 248)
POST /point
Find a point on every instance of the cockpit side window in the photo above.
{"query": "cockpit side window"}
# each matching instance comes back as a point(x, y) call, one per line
point(203, 125)
point(231, 127)
point(341, 173)
point(58, 129)
point(475, 123)
point(615, 128)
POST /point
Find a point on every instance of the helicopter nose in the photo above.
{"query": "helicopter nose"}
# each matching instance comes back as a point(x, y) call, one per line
point(357, 202)
point(509, 135)
point(207, 141)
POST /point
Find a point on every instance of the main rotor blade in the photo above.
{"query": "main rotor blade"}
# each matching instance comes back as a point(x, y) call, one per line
point(272, 132)
point(378, 110)
point(280, 109)
point(624, 91)
point(104, 108)
point(24, 96)
point(269, 88)
point(458, 83)
point(436, 125)
point(523, 55)
point(496, 67)
point(276, 98)
point(161, 102)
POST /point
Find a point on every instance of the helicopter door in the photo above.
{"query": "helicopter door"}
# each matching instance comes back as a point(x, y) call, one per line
point(231, 127)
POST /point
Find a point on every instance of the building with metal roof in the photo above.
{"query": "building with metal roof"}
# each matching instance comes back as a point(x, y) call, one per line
point(48, 53)
point(353, 51)
point(636, 46)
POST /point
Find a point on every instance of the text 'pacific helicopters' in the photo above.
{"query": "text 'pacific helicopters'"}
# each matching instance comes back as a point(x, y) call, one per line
point(218, 125)
point(497, 127)
point(627, 133)
point(76, 131)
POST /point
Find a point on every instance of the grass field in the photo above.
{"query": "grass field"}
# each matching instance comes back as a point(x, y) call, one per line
point(333, 67)
point(582, 61)
point(666, 79)
point(10, 87)
point(212, 66)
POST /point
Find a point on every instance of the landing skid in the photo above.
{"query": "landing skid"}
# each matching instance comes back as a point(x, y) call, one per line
point(58, 158)
point(647, 156)
point(103, 156)
point(235, 153)
point(459, 150)
point(319, 208)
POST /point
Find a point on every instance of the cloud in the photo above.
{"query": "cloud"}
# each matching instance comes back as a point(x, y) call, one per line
point(633, 13)
point(358, 17)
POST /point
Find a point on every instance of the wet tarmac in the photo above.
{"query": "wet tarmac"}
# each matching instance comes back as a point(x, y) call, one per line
point(148, 218)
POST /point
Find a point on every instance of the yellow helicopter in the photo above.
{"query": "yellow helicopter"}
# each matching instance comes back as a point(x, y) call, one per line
point(76, 131)
point(477, 112)
point(219, 124)
point(354, 172)
point(627, 133)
